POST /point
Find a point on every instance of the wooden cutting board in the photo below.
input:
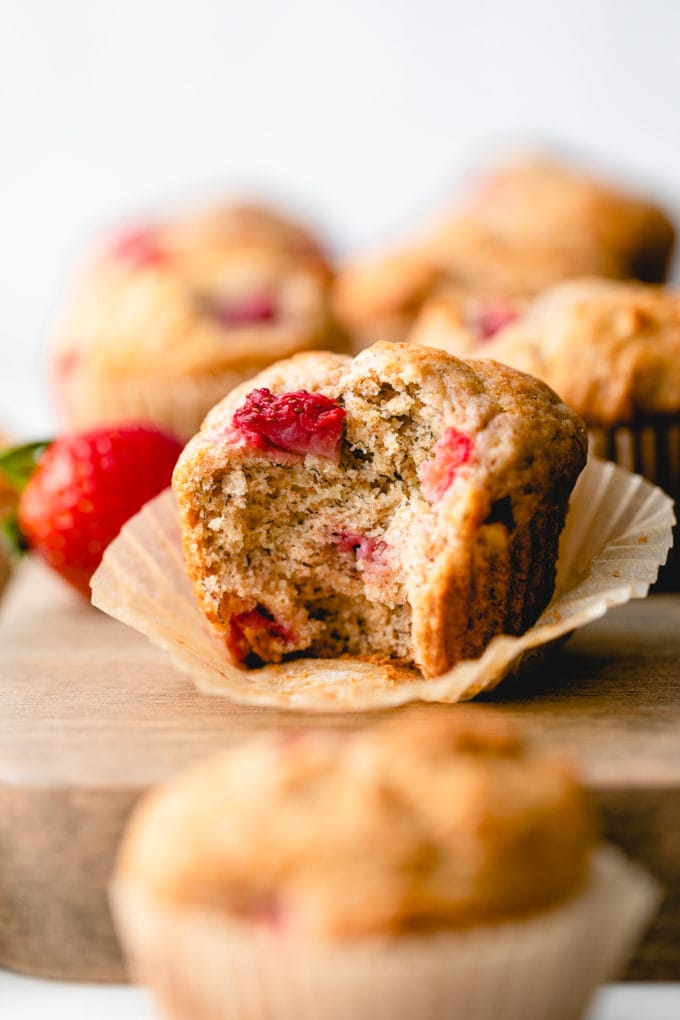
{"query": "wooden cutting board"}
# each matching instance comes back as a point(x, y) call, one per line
point(91, 715)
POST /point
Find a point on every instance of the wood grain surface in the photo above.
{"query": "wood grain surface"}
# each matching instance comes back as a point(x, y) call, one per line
point(91, 715)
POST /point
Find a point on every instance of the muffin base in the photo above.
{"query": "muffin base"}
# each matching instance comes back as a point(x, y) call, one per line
point(652, 451)
point(207, 966)
point(177, 404)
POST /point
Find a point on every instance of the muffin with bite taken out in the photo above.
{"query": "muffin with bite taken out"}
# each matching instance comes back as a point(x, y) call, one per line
point(418, 503)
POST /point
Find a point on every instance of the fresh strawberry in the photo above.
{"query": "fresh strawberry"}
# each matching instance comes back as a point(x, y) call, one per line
point(83, 490)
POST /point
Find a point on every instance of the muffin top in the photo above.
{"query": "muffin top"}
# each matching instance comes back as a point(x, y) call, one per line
point(462, 322)
point(231, 289)
point(421, 821)
point(246, 224)
point(610, 349)
point(377, 295)
point(520, 430)
point(545, 203)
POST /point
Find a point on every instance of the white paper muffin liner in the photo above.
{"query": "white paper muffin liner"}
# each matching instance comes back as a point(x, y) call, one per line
point(617, 534)
point(206, 966)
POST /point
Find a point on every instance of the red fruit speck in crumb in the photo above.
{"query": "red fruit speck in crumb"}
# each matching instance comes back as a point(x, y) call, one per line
point(451, 452)
point(85, 488)
point(245, 311)
point(141, 248)
point(363, 547)
point(258, 620)
point(270, 913)
point(299, 422)
point(493, 318)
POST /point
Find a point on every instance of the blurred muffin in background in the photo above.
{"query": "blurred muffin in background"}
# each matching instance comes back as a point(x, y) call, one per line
point(609, 348)
point(520, 229)
point(428, 866)
point(542, 205)
point(171, 317)
point(378, 295)
point(461, 322)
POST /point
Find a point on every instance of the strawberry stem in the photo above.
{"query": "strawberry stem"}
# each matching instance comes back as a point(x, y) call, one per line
point(11, 536)
point(18, 464)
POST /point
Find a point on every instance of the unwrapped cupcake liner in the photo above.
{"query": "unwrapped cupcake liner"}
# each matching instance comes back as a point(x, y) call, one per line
point(617, 534)
point(208, 966)
point(652, 451)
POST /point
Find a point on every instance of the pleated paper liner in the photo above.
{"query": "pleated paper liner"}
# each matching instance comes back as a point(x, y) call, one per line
point(617, 534)
point(208, 966)
point(653, 451)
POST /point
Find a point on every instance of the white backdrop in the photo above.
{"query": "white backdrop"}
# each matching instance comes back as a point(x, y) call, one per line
point(362, 112)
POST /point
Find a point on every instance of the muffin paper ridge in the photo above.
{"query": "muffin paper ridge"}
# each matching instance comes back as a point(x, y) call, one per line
point(543, 967)
point(617, 535)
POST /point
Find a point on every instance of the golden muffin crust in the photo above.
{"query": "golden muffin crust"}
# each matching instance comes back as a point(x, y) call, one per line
point(521, 228)
point(377, 296)
point(247, 224)
point(172, 316)
point(187, 317)
point(541, 204)
point(610, 349)
point(416, 823)
point(414, 518)
point(462, 321)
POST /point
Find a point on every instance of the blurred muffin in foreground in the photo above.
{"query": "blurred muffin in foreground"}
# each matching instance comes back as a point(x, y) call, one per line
point(171, 317)
point(521, 227)
point(427, 866)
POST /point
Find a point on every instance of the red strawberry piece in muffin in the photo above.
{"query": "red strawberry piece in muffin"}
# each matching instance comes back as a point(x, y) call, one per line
point(141, 248)
point(299, 422)
point(250, 310)
point(451, 452)
point(493, 317)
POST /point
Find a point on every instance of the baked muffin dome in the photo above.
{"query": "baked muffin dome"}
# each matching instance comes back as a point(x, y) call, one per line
point(521, 228)
point(462, 321)
point(416, 823)
point(542, 205)
point(171, 317)
point(377, 296)
point(246, 224)
point(610, 349)
point(405, 505)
